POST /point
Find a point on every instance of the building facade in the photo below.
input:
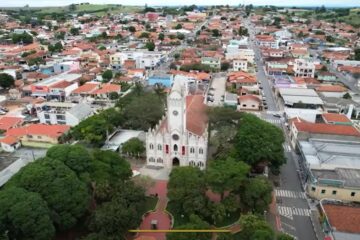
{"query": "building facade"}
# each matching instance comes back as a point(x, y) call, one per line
point(180, 138)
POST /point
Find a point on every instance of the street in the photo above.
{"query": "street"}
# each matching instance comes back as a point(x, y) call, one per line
point(292, 204)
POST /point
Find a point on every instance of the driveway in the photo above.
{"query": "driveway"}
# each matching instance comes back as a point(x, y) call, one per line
point(218, 84)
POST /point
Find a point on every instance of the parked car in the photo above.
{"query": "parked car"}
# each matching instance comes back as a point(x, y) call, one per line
point(277, 115)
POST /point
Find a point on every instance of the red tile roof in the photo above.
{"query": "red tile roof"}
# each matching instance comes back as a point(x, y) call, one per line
point(331, 88)
point(8, 122)
point(196, 118)
point(87, 88)
point(107, 88)
point(249, 97)
point(53, 131)
point(323, 128)
point(343, 218)
point(334, 117)
point(62, 84)
point(9, 140)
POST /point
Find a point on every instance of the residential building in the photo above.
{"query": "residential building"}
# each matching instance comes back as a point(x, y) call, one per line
point(144, 59)
point(38, 135)
point(266, 41)
point(304, 68)
point(7, 123)
point(63, 113)
point(213, 62)
point(180, 138)
point(240, 65)
point(249, 102)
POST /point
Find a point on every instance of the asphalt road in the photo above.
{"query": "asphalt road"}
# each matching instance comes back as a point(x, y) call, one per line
point(292, 204)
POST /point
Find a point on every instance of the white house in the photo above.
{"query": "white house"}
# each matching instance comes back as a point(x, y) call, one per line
point(63, 113)
point(240, 65)
point(180, 138)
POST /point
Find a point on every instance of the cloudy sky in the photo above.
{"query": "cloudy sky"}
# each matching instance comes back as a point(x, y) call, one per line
point(6, 3)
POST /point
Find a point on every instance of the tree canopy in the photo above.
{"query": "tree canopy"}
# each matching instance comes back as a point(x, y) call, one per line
point(6, 80)
point(134, 147)
point(256, 195)
point(24, 38)
point(107, 75)
point(67, 196)
point(195, 222)
point(24, 215)
point(226, 175)
point(258, 141)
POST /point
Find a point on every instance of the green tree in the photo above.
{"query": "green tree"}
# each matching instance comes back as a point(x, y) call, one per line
point(107, 75)
point(6, 80)
point(150, 46)
point(113, 95)
point(258, 141)
point(123, 212)
point(75, 31)
point(133, 147)
point(132, 29)
point(225, 66)
point(226, 175)
point(178, 26)
point(253, 227)
point(143, 112)
point(188, 198)
point(347, 96)
point(357, 54)
point(67, 196)
point(109, 167)
point(161, 36)
point(24, 215)
point(24, 38)
point(104, 35)
point(180, 36)
point(60, 35)
point(216, 33)
point(76, 157)
point(144, 35)
point(195, 222)
point(256, 194)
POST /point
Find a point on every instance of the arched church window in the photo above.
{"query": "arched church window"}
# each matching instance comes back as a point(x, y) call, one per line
point(151, 159)
point(192, 150)
point(159, 147)
point(191, 163)
point(159, 160)
point(201, 151)
point(175, 147)
point(151, 146)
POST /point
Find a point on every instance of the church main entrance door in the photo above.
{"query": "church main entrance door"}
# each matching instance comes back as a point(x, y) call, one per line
point(175, 162)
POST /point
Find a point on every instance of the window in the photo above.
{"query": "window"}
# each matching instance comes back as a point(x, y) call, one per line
point(244, 105)
point(60, 117)
point(334, 192)
point(159, 160)
point(175, 137)
point(353, 194)
point(151, 146)
point(201, 151)
point(151, 159)
point(39, 137)
point(47, 116)
point(175, 148)
point(159, 147)
point(192, 150)
point(313, 189)
point(191, 163)
point(323, 191)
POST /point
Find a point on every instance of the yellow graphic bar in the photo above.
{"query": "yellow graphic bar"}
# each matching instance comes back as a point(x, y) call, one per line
point(182, 231)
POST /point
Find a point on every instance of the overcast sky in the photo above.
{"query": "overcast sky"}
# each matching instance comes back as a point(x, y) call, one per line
point(5, 3)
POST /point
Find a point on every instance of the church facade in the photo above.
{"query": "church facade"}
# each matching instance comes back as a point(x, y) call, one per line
point(180, 138)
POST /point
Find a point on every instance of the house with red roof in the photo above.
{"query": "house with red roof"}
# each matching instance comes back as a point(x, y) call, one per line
point(249, 102)
point(96, 89)
point(303, 130)
point(37, 135)
point(7, 123)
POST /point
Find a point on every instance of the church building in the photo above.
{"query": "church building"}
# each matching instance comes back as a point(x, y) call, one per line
point(181, 137)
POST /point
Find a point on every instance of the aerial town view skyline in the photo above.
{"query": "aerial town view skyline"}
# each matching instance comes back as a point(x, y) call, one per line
point(160, 121)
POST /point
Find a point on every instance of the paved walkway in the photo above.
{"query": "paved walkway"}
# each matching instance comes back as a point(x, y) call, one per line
point(164, 221)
